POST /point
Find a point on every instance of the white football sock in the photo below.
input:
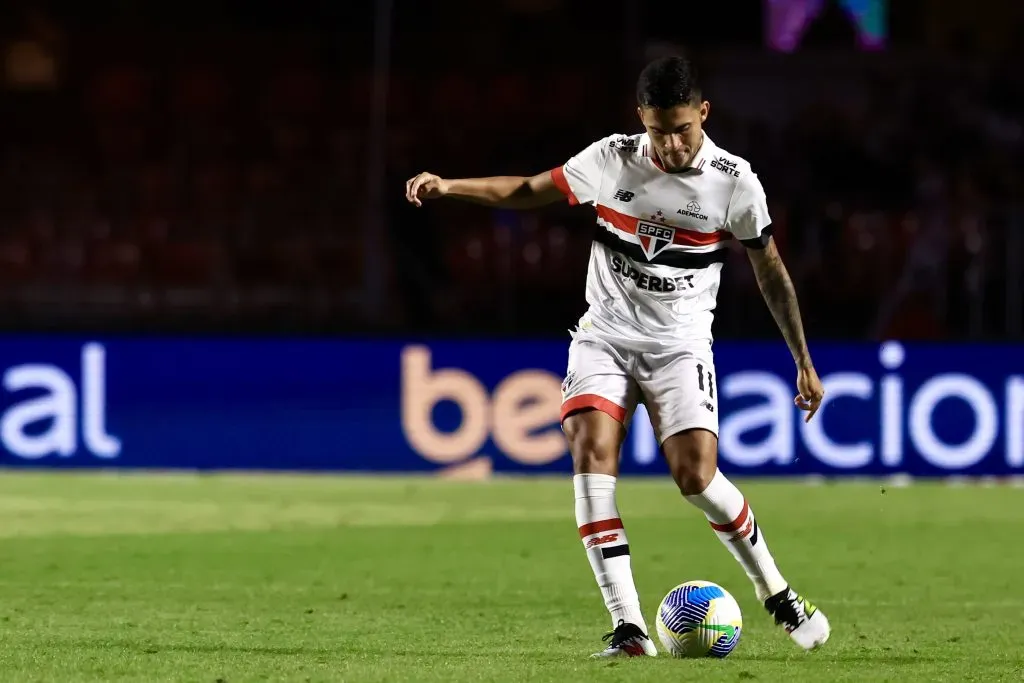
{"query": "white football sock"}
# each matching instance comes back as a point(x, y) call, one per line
point(733, 521)
point(607, 548)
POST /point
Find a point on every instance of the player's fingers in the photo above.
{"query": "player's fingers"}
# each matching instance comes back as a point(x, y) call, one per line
point(408, 189)
point(810, 403)
point(413, 188)
point(414, 194)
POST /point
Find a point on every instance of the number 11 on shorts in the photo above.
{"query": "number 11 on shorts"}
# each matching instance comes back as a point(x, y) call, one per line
point(700, 381)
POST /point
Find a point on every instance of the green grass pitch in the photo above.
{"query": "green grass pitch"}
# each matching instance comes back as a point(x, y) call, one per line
point(285, 578)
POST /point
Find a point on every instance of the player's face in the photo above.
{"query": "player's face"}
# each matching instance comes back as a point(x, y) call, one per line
point(675, 133)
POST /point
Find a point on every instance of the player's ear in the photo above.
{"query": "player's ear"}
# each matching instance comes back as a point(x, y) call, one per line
point(705, 107)
point(639, 114)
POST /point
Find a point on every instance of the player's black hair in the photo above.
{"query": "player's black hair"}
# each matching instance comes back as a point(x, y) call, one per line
point(668, 82)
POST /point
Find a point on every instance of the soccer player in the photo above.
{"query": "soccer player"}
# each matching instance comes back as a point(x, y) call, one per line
point(667, 200)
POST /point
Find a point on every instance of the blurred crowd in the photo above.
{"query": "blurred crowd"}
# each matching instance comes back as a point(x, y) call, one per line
point(227, 176)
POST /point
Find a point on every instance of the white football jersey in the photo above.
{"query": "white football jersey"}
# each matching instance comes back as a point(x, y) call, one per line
point(661, 238)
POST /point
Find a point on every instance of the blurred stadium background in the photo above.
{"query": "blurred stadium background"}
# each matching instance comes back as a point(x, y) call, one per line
point(234, 165)
point(206, 263)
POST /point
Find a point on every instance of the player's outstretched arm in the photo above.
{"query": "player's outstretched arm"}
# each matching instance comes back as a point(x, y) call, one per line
point(780, 295)
point(510, 192)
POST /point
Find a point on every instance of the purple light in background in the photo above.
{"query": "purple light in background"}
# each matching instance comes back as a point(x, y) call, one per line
point(788, 20)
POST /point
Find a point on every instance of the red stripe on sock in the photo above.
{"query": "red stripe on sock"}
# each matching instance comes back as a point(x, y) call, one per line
point(600, 526)
point(736, 524)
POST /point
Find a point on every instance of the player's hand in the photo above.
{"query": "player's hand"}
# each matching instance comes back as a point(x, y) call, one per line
point(425, 186)
point(811, 391)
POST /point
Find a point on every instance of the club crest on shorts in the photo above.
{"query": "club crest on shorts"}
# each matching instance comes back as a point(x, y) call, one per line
point(654, 239)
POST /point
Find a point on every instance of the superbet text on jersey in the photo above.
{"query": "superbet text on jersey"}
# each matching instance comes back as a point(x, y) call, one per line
point(662, 237)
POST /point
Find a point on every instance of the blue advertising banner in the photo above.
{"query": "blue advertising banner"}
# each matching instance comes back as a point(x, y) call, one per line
point(925, 410)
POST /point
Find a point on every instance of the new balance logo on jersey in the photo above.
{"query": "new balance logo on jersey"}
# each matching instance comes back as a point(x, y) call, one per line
point(693, 211)
point(707, 404)
point(599, 540)
point(624, 195)
point(725, 166)
point(654, 239)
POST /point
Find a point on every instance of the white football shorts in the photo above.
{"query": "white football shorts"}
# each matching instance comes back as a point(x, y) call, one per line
point(677, 386)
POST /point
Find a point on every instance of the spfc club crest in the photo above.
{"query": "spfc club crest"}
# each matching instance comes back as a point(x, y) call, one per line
point(654, 238)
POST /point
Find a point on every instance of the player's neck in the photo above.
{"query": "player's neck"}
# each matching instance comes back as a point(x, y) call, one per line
point(659, 162)
point(696, 152)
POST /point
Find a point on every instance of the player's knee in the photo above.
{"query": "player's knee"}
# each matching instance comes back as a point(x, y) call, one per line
point(692, 458)
point(594, 448)
point(692, 480)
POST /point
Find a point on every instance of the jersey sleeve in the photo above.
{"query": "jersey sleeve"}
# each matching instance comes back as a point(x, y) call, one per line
point(579, 178)
point(748, 218)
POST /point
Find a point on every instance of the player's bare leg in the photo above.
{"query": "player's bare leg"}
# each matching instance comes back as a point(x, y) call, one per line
point(692, 457)
point(594, 441)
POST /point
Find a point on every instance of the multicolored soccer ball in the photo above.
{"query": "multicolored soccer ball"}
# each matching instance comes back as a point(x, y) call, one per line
point(699, 619)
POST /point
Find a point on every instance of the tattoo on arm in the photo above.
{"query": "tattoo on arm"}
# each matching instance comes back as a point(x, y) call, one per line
point(780, 295)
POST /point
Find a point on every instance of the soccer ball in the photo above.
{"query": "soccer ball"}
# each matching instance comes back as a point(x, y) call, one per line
point(699, 619)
